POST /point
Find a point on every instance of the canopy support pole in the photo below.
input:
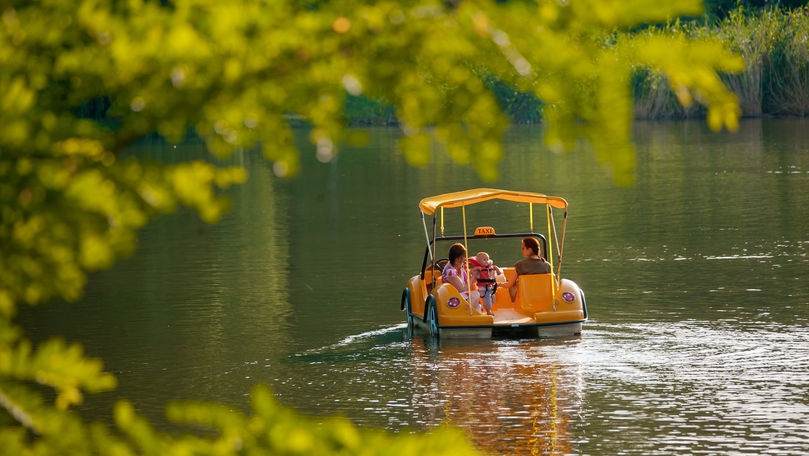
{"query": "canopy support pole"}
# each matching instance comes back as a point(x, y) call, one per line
point(442, 222)
point(427, 237)
point(432, 274)
point(550, 256)
point(558, 250)
point(550, 249)
point(562, 248)
point(466, 262)
point(531, 217)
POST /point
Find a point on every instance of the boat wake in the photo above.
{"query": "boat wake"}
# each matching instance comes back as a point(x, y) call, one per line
point(358, 337)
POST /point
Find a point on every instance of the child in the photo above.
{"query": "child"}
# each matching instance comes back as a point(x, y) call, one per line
point(486, 281)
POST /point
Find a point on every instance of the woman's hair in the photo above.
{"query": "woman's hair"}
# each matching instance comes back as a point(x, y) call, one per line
point(455, 251)
point(532, 244)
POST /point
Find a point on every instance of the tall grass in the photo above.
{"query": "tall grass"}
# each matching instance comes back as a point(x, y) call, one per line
point(775, 46)
point(747, 37)
point(786, 74)
point(654, 99)
point(773, 42)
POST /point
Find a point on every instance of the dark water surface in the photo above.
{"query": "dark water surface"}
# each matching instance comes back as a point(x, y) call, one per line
point(697, 282)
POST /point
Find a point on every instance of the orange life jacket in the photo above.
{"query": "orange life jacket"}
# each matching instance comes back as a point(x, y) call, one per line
point(486, 275)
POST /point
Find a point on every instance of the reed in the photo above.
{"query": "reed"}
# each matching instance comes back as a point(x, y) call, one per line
point(654, 99)
point(786, 65)
point(775, 46)
point(652, 94)
point(747, 37)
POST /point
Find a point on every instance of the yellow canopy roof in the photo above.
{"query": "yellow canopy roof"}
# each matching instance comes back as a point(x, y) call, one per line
point(456, 199)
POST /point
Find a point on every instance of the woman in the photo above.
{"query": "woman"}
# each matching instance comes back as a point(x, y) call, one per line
point(455, 273)
point(532, 264)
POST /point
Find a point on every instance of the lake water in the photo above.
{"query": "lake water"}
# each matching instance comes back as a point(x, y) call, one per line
point(697, 283)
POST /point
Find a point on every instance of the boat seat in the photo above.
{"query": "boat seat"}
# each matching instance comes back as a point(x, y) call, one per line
point(436, 275)
point(430, 285)
point(535, 292)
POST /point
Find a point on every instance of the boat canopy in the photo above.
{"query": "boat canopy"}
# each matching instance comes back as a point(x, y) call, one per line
point(465, 198)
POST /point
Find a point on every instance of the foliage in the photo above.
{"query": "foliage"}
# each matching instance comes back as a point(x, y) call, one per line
point(361, 110)
point(522, 108)
point(786, 61)
point(238, 73)
point(775, 79)
point(721, 9)
point(270, 429)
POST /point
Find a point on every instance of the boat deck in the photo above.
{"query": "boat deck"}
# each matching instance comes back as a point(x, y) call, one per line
point(511, 317)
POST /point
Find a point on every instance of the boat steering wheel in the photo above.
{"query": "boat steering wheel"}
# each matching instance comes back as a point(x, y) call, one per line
point(440, 264)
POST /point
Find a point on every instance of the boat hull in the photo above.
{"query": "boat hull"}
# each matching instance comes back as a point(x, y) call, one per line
point(555, 331)
point(543, 308)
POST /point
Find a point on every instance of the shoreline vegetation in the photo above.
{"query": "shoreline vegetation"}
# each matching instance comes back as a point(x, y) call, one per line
point(773, 42)
point(775, 82)
point(82, 81)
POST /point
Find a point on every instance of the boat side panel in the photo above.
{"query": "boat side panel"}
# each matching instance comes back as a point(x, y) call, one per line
point(453, 309)
point(570, 298)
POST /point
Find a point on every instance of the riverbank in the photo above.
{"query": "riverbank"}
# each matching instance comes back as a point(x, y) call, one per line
point(774, 44)
point(775, 82)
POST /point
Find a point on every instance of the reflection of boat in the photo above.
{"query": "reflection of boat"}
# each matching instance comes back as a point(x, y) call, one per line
point(512, 399)
point(546, 305)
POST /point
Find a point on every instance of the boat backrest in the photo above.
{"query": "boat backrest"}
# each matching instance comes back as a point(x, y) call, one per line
point(432, 284)
point(535, 292)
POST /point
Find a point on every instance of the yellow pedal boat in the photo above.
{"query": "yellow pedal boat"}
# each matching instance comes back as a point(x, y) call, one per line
point(545, 304)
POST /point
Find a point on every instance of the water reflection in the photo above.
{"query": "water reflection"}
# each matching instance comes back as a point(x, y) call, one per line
point(717, 387)
point(513, 397)
point(696, 279)
point(194, 305)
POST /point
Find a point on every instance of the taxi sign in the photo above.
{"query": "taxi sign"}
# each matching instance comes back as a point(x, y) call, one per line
point(484, 231)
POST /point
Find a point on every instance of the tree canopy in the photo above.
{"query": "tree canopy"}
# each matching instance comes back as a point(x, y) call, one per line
point(237, 73)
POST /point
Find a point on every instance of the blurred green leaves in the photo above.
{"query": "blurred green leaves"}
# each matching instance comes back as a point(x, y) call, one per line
point(237, 74)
